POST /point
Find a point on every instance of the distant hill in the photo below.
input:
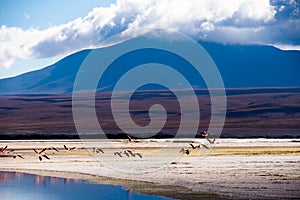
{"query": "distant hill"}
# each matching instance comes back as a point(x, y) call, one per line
point(240, 66)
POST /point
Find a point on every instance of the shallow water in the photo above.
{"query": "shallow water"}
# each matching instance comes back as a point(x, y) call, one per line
point(15, 185)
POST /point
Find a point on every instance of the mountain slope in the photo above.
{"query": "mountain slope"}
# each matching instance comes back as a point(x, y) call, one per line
point(255, 66)
point(240, 66)
point(56, 78)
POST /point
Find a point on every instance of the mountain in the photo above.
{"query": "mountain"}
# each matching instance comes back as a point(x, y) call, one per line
point(240, 66)
point(262, 86)
point(56, 78)
point(255, 66)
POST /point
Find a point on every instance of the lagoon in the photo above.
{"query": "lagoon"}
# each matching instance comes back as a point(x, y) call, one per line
point(16, 185)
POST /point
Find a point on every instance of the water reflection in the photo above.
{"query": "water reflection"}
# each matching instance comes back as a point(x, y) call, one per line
point(17, 185)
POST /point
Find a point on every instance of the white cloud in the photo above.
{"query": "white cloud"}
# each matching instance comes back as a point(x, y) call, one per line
point(243, 21)
point(287, 47)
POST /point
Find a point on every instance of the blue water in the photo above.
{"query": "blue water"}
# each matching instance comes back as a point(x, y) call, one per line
point(15, 186)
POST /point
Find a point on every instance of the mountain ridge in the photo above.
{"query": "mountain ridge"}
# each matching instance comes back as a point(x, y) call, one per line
point(240, 66)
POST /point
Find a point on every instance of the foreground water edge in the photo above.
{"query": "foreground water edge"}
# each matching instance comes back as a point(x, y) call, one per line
point(19, 185)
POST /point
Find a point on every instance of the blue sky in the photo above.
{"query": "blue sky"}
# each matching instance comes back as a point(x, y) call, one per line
point(43, 14)
point(35, 34)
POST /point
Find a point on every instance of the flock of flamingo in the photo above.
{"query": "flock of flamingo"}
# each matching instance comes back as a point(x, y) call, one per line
point(41, 154)
point(4, 152)
point(188, 151)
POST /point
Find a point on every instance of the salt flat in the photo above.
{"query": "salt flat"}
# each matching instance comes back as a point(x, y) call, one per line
point(253, 168)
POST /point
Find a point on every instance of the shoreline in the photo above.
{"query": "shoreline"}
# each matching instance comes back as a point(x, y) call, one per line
point(143, 187)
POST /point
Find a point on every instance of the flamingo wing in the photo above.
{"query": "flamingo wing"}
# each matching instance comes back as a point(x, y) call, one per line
point(55, 149)
point(44, 149)
point(45, 156)
point(139, 155)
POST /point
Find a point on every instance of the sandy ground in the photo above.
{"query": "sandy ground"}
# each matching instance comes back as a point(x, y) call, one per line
point(240, 169)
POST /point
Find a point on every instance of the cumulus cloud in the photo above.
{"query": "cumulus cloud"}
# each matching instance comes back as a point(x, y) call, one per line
point(274, 22)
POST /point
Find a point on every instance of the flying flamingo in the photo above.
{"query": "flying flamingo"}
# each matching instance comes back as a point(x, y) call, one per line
point(11, 155)
point(139, 155)
point(126, 153)
point(185, 151)
point(131, 139)
point(194, 147)
point(69, 149)
point(53, 148)
point(97, 150)
point(17, 155)
point(41, 154)
point(7, 153)
point(2, 149)
point(133, 153)
point(118, 153)
point(206, 134)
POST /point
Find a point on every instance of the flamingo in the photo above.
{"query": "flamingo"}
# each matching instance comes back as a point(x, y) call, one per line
point(198, 146)
point(184, 151)
point(2, 149)
point(11, 155)
point(17, 155)
point(133, 153)
point(118, 153)
point(139, 155)
point(7, 153)
point(97, 150)
point(126, 153)
point(211, 141)
point(53, 148)
point(131, 139)
point(69, 149)
point(206, 134)
point(41, 154)
point(195, 146)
